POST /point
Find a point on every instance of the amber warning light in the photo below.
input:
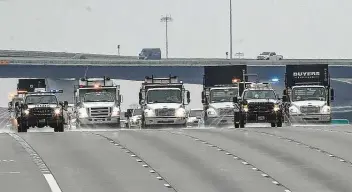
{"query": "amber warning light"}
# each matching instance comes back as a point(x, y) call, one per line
point(234, 80)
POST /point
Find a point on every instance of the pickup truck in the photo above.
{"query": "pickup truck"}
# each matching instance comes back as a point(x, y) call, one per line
point(269, 56)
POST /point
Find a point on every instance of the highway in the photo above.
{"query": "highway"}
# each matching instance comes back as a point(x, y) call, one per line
point(300, 159)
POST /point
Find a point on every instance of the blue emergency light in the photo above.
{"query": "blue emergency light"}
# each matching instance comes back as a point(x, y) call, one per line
point(275, 79)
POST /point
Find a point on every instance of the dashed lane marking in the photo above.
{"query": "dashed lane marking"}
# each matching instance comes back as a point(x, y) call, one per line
point(39, 162)
point(301, 144)
point(228, 153)
point(138, 159)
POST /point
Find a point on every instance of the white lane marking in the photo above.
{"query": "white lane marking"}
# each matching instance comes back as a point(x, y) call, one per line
point(52, 183)
point(11, 172)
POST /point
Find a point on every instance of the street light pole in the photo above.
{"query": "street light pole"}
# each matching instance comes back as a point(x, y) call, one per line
point(230, 29)
point(166, 19)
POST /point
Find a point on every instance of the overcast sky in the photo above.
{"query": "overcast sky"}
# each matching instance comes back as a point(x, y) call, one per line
point(293, 28)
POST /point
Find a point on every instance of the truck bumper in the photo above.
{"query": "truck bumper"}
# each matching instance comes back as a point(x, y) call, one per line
point(225, 120)
point(311, 118)
point(100, 120)
point(272, 117)
point(32, 121)
point(165, 120)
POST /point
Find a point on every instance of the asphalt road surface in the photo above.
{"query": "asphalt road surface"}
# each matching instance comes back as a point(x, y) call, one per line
point(302, 159)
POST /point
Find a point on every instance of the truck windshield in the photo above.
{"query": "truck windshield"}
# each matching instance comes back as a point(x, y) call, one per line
point(223, 95)
point(41, 99)
point(164, 96)
point(98, 97)
point(308, 94)
point(265, 53)
point(259, 94)
point(195, 113)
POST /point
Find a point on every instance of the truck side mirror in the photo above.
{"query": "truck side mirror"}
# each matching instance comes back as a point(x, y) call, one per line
point(188, 97)
point(284, 98)
point(65, 103)
point(120, 98)
point(61, 103)
point(332, 94)
point(128, 113)
point(235, 99)
point(284, 92)
point(140, 97)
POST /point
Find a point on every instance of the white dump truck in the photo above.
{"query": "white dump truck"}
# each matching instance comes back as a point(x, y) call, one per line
point(163, 101)
point(97, 102)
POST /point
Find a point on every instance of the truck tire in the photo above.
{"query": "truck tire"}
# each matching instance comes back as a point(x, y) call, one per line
point(279, 123)
point(118, 124)
point(235, 119)
point(22, 127)
point(273, 124)
point(59, 127)
point(242, 123)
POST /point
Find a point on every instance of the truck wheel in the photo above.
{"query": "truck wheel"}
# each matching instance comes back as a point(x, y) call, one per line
point(237, 125)
point(143, 125)
point(279, 123)
point(118, 124)
point(22, 127)
point(59, 127)
point(272, 124)
point(242, 123)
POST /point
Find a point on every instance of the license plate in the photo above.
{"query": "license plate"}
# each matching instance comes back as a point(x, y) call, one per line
point(42, 121)
point(260, 118)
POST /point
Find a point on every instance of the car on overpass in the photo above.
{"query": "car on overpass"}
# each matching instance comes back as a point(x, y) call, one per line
point(269, 56)
point(150, 54)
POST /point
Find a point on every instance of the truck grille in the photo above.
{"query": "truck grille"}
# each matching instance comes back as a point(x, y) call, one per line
point(260, 107)
point(41, 111)
point(226, 112)
point(310, 109)
point(99, 111)
point(165, 112)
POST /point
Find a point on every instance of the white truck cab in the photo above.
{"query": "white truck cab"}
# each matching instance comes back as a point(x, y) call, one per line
point(220, 108)
point(310, 102)
point(163, 102)
point(269, 56)
point(195, 117)
point(97, 101)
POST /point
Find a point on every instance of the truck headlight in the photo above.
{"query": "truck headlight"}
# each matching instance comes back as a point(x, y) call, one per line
point(211, 112)
point(57, 111)
point(181, 112)
point(276, 108)
point(326, 109)
point(149, 113)
point(115, 112)
point(245, 108)
point(26, 112)
point(82, 113)
point(294, 110)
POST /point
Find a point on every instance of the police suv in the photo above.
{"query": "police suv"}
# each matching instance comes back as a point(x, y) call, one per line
point(39, 109)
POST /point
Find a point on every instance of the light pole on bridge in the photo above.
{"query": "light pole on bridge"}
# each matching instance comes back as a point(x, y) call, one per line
point(166, 19)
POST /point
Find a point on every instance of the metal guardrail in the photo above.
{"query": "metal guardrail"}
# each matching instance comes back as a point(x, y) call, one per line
point(168, 62)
